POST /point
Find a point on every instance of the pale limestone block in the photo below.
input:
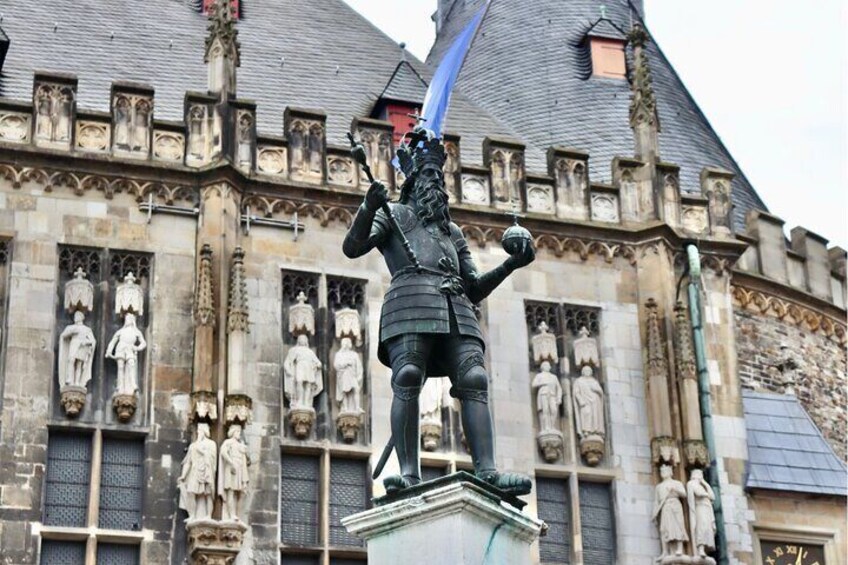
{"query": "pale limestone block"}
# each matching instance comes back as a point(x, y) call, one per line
point(471, 527)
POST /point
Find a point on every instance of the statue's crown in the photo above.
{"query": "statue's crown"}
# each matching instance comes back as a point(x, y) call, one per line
point(419, 149)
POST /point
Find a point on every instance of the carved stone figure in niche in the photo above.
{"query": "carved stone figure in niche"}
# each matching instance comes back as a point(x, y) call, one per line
point(720, 205)
point(132, 123)
point(233, 477)
point(316, 147)
point(124, 348)
point(197, 479)
point(76, 345)
point(451, 170)
point(303, 374)
point(516, 175)
point(500, 177)
point(297, 143)
point(76, 354)
point(349, 377)
point(197, 133)
point(548, 398)
point(430, 407)
point(384, 162)
point(548, 401)
point(53, 118)
point(245, 128)
point(700, 496)
point(589, 414)
point(668, 513)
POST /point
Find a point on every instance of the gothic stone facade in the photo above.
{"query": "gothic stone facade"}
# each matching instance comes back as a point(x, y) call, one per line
point(234, 241)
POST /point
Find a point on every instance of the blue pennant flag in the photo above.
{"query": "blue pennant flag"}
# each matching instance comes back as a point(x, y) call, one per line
point(438, 96)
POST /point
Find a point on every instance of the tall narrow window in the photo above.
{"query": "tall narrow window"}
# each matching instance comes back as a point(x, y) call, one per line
point(117, 554)
point(121, 484)
point(299, 500)
point(348, 495)
point(597, 519)
point(68, 477)
point(554, 507)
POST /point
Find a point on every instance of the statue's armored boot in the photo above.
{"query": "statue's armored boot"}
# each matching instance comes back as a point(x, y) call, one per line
point(404, 420)
point(477, 423)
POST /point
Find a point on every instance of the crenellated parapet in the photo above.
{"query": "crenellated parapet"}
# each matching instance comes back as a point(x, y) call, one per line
point(640, 195)
point(804, 263)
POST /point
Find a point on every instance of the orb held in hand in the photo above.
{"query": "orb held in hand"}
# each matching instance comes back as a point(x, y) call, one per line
point(515, 237)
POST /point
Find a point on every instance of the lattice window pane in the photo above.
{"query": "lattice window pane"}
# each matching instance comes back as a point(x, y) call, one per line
point(348, 495)
point(301, 559)
point(346, 561)
point(60, 552)
point(67, 483)
point(554, 507)
point(576, 318)
point(117, 554)
point(345, 293)
point(299, 499)
point(121, 484)
point(430, 473)
point(597, 522)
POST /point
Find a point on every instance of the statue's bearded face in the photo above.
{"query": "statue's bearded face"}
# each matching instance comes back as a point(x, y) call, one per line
point(429, 198)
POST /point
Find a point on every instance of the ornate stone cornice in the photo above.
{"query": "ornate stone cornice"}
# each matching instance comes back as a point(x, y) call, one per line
point(83, 183)
point(789, 312)
point(268, 206)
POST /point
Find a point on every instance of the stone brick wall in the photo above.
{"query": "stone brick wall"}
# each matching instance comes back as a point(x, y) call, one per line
point(767, 351)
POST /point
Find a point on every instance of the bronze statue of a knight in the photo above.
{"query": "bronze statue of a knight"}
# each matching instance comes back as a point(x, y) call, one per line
point(428, 327)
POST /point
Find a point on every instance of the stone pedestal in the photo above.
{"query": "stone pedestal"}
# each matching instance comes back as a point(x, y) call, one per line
point(213, 542)
point(301, 420)
point(550, 444)
point(124, 406)
point(348, 424)
point(456, 519)
point(73, 399)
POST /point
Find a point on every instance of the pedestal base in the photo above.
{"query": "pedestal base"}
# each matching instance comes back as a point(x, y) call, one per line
point(211, 542)
point(72, 398)
point(455, 519)
point(685, 560)
point(301, 420)
point(124, 406)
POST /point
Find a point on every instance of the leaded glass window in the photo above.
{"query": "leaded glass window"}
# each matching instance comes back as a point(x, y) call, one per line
point(348, 495)
point(68, 477)
point(299, 500)
point(597, 523)
point(121, 484)
point(554, 507)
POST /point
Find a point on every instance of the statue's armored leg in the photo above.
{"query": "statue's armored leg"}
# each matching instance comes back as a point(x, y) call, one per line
point(471, 386)
point(408, 370)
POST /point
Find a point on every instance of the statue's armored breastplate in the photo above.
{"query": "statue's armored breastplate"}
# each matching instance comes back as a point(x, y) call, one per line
point(432, 246)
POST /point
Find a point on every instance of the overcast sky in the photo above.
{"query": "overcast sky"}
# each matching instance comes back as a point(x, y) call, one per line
point(769, 75)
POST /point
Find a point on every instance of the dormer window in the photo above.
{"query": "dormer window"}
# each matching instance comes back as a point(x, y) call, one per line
point(607, 58)
point(606, 43)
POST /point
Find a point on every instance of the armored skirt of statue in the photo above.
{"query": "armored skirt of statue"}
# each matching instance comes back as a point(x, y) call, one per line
point(432, 299)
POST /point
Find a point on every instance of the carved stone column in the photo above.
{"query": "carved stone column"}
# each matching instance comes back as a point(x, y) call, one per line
point(663, 445)
point(694, 450)
point(204, 405)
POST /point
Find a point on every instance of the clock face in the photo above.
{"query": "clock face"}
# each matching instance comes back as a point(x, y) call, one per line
point(776, 553)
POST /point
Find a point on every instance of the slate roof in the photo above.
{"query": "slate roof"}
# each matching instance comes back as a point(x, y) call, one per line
point(786, 451)
point(527, 68)
point(405, 85)
point(318, 54)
